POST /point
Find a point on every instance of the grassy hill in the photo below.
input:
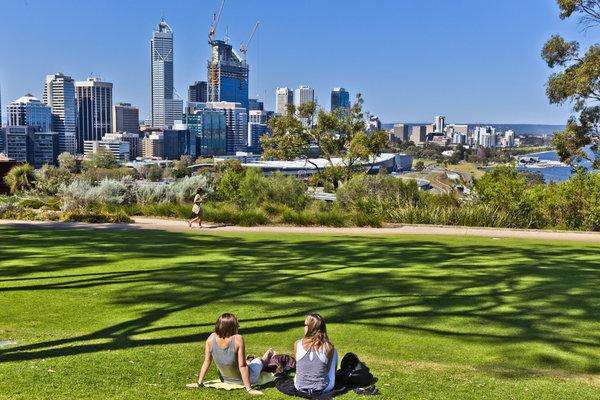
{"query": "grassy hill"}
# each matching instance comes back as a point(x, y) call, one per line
point(121, 314)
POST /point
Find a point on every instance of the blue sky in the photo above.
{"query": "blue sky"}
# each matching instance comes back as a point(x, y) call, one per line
point(471, 60)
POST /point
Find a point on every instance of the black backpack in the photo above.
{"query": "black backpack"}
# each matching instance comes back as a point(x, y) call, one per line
point(353, 373)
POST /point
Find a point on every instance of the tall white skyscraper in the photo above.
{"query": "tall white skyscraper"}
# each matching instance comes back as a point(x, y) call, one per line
point(283, 97)
point(59, 95)
point(165, 109)
point(303, 95)
point(440, 123)
point(94, 110)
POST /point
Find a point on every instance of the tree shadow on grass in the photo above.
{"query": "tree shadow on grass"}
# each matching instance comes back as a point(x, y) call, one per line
point(534, 293)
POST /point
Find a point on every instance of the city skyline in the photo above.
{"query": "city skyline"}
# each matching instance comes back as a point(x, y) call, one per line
point(485, 98)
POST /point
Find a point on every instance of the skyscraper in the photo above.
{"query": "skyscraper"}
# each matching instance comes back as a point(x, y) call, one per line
point(340, 100)
point(198, 92)
point(94, 110)
point(59, 95)
point(29, 111)
point(227, 75)
point(210, 127)
point(284, 97)
point(236, 119)
point(303, 95)
point(255, 104)
point(165, 109)
point(440, 123)
point(125, 118)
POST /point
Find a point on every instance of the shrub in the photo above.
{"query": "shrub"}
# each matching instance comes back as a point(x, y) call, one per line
point(103, 159)
point(287, 190)
point(360, 218)
point(253, 189)
point(376, 194)
point(153, 173)
point(96, 218)
point(20, 178)
point(81, 194)
point(252, 217)
point(180, 168)
point(11, 211)
point(32, 202)
point(185, 189)
point(49, 179)
point(228, 185)
point(68, 162)
point(147, 193)
point(94, 175)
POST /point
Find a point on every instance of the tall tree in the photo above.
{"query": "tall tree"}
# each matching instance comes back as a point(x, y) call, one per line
point(578, 82)
point(335, 134)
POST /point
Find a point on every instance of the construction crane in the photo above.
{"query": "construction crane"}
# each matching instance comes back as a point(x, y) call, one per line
point(244, 46)
point(213, 28)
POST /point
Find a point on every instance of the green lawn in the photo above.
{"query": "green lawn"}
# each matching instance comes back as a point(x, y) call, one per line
point(109, 314)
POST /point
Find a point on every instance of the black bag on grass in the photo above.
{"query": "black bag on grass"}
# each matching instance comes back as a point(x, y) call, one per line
point(353, 373)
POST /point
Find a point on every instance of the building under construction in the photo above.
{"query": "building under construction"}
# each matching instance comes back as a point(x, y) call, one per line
point(228, 72)
point(227, 75)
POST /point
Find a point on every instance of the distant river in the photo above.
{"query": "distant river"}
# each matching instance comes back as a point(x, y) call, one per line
point(553, 173)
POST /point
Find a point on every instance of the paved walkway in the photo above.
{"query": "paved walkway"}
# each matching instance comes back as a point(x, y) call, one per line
point(181, 226)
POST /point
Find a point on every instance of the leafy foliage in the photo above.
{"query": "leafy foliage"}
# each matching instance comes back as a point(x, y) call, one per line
point(578, 82)
point(68, 162)
point(20, 178)
point(103, 158)
point(49, 179)
point(334, 134)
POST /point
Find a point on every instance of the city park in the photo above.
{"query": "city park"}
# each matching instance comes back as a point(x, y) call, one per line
point(121, 310)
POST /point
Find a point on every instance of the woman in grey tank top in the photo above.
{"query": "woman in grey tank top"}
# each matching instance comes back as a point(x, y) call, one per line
point(316, 359)
point(226, 348)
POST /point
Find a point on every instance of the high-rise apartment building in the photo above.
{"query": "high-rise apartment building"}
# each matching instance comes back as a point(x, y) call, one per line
point(227, 75)
point(165, 108)
point(198, 92)
point(236, 119)
point(29, 111)
point(283, 97)
point(59, 95)
point(303, 95)
point(94, 110)
point(340, 100)
point(126, 118)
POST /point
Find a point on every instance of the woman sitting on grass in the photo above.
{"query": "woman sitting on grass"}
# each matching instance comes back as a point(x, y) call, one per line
point(226, 347)
point(316, 359)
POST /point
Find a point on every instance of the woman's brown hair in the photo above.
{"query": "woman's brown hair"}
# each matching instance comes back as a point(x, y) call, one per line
point(316, 332)
point(227, 325)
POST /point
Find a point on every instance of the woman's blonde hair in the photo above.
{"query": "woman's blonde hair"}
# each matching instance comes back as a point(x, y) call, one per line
point(316, 332)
